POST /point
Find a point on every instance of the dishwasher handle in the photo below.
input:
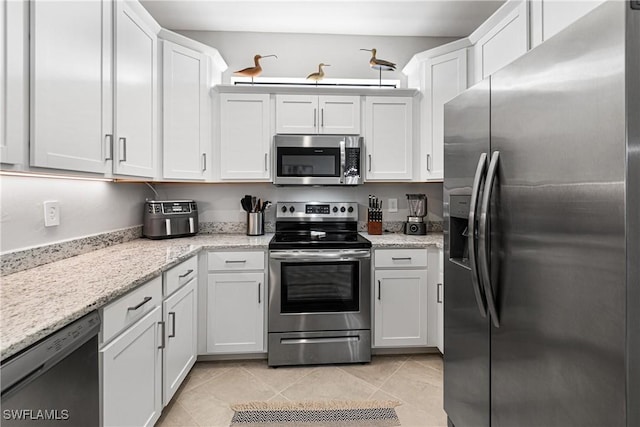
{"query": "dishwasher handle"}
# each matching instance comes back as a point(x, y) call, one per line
point(20, 370)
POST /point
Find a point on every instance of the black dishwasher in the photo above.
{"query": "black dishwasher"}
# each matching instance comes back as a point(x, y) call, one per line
point(55, 382)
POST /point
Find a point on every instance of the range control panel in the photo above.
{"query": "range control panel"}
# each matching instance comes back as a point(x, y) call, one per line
point(317, 211)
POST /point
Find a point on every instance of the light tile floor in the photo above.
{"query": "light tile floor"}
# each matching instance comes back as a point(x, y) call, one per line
point(205, 396)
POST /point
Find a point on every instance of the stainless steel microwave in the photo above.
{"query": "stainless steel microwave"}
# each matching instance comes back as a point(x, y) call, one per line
point(318, 160)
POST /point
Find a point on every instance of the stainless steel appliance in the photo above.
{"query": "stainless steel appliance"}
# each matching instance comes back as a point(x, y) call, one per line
point(319, 286)
point(55, 382)
point(542, 219)
point(415, 224)
point(317, 159)
point(170, 218)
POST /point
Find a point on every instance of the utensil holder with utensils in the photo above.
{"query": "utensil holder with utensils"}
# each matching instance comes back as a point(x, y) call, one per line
point(255, 223)
point(255, 214)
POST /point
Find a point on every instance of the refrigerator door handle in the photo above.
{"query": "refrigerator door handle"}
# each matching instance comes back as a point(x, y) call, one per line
point(482, 240)
point(475, 194)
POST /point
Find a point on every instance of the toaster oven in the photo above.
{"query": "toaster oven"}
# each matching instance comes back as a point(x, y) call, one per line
point(170, 218)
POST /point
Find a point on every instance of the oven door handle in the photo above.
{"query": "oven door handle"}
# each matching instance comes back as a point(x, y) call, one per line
point(343, 255)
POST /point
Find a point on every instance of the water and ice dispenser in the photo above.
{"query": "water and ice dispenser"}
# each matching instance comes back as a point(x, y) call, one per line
point(458, 229)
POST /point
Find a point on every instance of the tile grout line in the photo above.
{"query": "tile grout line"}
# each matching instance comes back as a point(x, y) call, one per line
point(388, 378)
point(259, 380)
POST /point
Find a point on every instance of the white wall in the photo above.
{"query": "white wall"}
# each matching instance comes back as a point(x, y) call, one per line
point(221, 202)
point(300, 54)
point(93, 207)
point(86, 208)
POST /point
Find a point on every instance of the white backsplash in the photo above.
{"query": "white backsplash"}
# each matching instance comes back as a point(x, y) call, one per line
point(221, 202)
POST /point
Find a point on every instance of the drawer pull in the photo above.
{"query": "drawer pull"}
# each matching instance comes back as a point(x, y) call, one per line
point(438, 297)
point(406, 258)
point(379, 289)
point(230, 261)
point(182, 276)
point(144, 301)
point(259, 293)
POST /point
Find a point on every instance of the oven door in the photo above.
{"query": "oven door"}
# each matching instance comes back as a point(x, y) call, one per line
point(319, 290)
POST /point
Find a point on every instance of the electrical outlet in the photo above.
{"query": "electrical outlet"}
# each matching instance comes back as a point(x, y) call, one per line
point(393, 205)
point(51, 213)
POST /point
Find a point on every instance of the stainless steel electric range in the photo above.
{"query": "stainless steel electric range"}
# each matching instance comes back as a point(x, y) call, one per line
point(319, 285)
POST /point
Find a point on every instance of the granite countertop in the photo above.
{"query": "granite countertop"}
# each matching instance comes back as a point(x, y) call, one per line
point(399, 240)
point(38, 301)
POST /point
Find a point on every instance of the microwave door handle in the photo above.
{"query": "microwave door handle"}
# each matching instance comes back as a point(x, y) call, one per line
point(343, 160)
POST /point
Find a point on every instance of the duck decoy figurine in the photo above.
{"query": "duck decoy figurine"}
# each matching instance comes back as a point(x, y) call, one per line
point(253, 71)
point(319, 75)
point(379, 64)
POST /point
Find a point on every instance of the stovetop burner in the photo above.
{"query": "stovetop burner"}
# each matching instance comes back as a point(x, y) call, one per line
point(315, 225)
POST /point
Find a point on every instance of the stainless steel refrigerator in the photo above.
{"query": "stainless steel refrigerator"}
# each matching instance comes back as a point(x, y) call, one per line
point(542, 234)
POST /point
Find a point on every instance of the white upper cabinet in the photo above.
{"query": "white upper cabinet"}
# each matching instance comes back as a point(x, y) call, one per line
point(14, 83)
point(549, 17)
point(74, 92)
point(312, 114)
point(186, 112)
point(245, 137)
point(501, 39)
point(297, 114)
point(440, 74)
point(388, 138)
point(136, 93)
point(71, 110)
point(446, 77)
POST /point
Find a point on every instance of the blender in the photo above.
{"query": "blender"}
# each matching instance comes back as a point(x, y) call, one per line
point(415, 224)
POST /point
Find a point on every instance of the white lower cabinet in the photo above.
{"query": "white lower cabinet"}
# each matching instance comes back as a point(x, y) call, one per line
point(400, 298)
point(435, 309)
point(408, 298)
point(236, 292)
point(180, 318)
point(149, 345)
point(132, 374)
point(400, 308)
point(235, 315)
point(440, 311)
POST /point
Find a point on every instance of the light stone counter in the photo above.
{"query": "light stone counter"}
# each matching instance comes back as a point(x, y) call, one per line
point(399, 240)
point(36, 302)
point(41, 300)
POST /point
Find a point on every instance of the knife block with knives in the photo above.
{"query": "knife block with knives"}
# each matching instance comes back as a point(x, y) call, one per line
point(374, 215)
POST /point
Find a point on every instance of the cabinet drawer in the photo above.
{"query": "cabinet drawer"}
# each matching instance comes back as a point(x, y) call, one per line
point(129, 308)
point(400, 258)
point(179, 275)
point(226, 261)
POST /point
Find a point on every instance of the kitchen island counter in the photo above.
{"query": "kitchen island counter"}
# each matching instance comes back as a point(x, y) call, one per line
point(38, 301)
